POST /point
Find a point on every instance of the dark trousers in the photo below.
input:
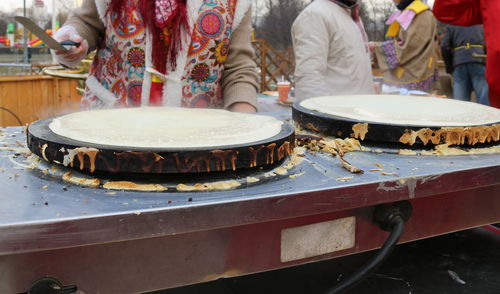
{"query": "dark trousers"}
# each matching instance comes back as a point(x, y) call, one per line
point(468, 77)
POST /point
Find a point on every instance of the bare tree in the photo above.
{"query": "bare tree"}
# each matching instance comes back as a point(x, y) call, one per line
point(64, 8)
point(273, 19)
point(368, 21)
point(276, 23)
point(258, 9)
point(385, 9)
point(374, 14)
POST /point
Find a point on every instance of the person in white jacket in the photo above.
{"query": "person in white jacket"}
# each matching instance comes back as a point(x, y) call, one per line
point(331, 52)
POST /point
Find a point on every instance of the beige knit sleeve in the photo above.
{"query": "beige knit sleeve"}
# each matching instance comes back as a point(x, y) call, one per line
point(240, 81)
point(85, 19)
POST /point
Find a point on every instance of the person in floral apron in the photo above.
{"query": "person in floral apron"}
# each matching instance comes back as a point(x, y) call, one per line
point(187, 53)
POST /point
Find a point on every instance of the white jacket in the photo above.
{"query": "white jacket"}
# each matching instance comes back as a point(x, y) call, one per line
point(331, 55)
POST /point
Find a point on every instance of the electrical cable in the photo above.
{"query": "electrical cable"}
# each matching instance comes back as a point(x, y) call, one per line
point(13, 114)
point(396, 228)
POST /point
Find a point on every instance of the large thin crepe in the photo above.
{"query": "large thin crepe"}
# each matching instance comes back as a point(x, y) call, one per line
point(405, 110)
point(165, 127)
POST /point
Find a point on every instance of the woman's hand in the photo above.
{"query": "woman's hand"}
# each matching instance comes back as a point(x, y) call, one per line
point(371, 46)
point(242, 107)
point(74, 55)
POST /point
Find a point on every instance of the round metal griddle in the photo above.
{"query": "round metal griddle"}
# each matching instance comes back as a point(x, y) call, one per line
point(91, 158)
point(342, 127)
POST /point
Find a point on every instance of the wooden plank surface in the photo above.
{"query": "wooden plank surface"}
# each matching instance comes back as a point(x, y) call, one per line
point(32, 98)
point(8, 100)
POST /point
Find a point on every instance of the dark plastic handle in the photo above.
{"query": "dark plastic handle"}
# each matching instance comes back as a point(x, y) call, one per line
point(68, 44)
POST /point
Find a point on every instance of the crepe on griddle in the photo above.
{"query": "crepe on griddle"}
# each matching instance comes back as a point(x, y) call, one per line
point(165, 127)
point(405, 110)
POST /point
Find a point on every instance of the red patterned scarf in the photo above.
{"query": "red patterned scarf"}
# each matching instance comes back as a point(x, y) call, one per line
point(165, 20)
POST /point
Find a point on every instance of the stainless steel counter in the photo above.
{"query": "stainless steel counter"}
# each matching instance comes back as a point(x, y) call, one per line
point(133, 242)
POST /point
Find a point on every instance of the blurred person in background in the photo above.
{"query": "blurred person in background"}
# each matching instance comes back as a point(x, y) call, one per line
point(188, 53)
point(473, 12)
point(331, 53)
point(408, 57)
point(462, 48)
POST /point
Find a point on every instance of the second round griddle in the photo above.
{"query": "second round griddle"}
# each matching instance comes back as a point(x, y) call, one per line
point(421, 134)
point(114, 159)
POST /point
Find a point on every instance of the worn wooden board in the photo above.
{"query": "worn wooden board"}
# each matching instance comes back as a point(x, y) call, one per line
point(32, 98)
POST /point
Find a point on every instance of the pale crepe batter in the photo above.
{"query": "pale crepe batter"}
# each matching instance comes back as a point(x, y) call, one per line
point(405, 110)
point(165, 127)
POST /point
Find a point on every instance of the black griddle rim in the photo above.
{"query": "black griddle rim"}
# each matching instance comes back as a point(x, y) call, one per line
point(40, 129)
point(296, 107)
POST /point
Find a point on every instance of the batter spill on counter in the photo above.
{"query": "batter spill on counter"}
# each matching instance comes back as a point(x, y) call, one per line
point(131, 186)
point(453, 136)
point(81, 153)
point(295, 159)
point(184, 134)
point(220, 157)
point(446, 150)
point(360, 131)
point(220, 185)
point(336, 147)
point(44, 148)
point(80, 181)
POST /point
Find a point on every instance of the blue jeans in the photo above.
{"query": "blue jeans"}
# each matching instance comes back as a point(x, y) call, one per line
point(468, 77)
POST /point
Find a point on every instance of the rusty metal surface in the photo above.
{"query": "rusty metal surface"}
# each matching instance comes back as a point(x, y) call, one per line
point(91, 238)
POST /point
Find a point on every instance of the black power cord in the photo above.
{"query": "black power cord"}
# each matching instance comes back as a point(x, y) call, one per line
point(13, 114)
point(390, 218)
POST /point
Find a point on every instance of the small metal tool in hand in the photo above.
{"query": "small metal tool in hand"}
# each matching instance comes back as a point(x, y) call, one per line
point(46, 38)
